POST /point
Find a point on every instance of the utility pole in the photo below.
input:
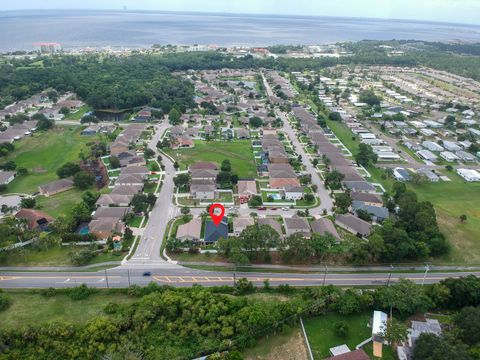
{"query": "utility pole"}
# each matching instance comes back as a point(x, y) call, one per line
point(234, 274)
point(390, 275)
point(106, 277)
point(426, 272)
point(325, 275)
point(128, 274)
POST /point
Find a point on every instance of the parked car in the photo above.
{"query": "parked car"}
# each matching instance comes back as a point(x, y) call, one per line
point(285, 208)
point(262, 208)
point(146, 273)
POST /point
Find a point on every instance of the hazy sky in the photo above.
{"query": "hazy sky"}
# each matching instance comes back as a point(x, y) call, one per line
point(461, 11)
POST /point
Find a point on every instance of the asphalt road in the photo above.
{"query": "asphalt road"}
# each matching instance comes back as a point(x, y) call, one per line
point(184, 277)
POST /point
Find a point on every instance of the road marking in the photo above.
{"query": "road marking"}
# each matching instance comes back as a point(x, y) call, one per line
point(6, 278)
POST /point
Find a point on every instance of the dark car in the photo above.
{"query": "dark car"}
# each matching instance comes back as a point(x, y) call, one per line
point(146, 273)
point(262, 208)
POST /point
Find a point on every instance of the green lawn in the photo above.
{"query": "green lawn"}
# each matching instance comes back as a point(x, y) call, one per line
point(345, 135)
point(322, 337)
point(59, 204)
point(43, 154)
point(34, 309)
point(239, 153)
point(135, 221)
point(78, 114)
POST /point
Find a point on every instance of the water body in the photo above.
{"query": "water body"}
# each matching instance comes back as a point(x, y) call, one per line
point(19, 30)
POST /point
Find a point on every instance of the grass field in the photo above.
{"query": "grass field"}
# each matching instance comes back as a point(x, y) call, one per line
point(239, 153)
point(33, 309)
point(59, 204)
point(43, 154)
point(322, 337)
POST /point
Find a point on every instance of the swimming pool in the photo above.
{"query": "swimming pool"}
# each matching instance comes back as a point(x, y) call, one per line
point(83, 229)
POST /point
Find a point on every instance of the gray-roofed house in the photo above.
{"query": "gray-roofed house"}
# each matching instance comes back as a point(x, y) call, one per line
point(103, 228)
point(369, 199)
point(213, 233)
point(190, 231)
point(354, 224)
point(324, 226)
point(243, 134)
point(7, 177)
point(296, 224)
point(429, 174)
point(111, 212)
point(378, 213)
point(56, 187)
point(241, 223)
point(114, 200)
point(202, 189)
point(274, 224)
point(130, 179)
point(127, 189)
point(359, 186)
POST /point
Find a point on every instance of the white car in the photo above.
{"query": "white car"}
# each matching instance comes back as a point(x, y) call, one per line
point(285, 208)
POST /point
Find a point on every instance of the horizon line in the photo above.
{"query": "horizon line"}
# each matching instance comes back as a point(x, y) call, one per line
point(248, 14)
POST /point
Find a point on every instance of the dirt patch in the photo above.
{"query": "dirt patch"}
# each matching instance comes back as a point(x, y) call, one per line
point(281, 347)
point(39, 170)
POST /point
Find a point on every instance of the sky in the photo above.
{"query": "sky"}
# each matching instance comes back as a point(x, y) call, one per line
point(457, 11)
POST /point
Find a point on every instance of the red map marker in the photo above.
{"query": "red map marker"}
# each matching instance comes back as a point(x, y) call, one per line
point(217, 218)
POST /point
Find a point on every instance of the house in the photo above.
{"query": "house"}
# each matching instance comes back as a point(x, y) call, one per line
point(246, 189)
point(36, 220)
point(190, 231)
point(240, 224)
point(204, 174)
point(430, 326)
point(469, 175)
point(358, 354)
point(182, 142)
point(127, 189)
point(227, 133)
point(114, 200)
point(429, 174)
point(430, 145)
point(213, 232)
point(295, 224)
point(105, 227)
point(359, 186)
point(465, 156)
point(451, 146)
point(281, 183)
point(378, 213)
point(112, 212)
point(427, 155)
point(366, 198)
point(56, 187)
point(6, 177)
point(137, 170)
point(130, 179)
point(290, 192)
point(202, 189)
point(324, 226)
point(90, 131)
point(243, 134)
point(448, 156)
point(274, 224)
point(354, 224)
point(177, 131)
point(401, 174)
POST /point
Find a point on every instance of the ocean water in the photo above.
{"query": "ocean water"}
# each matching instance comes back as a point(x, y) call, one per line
point(20, 30)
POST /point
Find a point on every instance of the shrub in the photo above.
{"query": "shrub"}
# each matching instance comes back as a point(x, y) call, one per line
point(80, 292)
point(5, 301)
point(111, 308)
point(341, 329)
point(50, 292)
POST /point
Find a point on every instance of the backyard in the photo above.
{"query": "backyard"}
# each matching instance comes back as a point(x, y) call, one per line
point(238, 152)
point(321, 334)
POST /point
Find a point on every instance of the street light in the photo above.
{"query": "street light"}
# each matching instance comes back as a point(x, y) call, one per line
point(426, 272)
point(390, 275)
point(325, 275)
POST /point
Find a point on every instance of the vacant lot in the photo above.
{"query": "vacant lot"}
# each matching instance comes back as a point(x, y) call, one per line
point(34, 309)
point(238, 152)
point(43, 154)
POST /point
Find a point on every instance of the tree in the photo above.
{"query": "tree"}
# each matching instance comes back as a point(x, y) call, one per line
point(468, 323)
point(369, 97)
point(174, 116)
point(9, 166)
point(185, 210)
point(405, 296)
point(463, 218)
point(255, 201)
point(341, 329)
point(226, 166)
point(395, 332)
point(83, 180)
point(90, 198)
point(343, 201)
point(68, 169)
point(334, 179)
point(181, 180)
point(64, 110)
point(335, 116)
point(433, 347)
point(28, 203)
point(258, 238)
point(114, 162)
point(148, 153)
point(255, 122)
point(297, 247)
point(89, 119)
point(364, 215)
point(365, 155)
point(22, 171)
point(45, 124)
